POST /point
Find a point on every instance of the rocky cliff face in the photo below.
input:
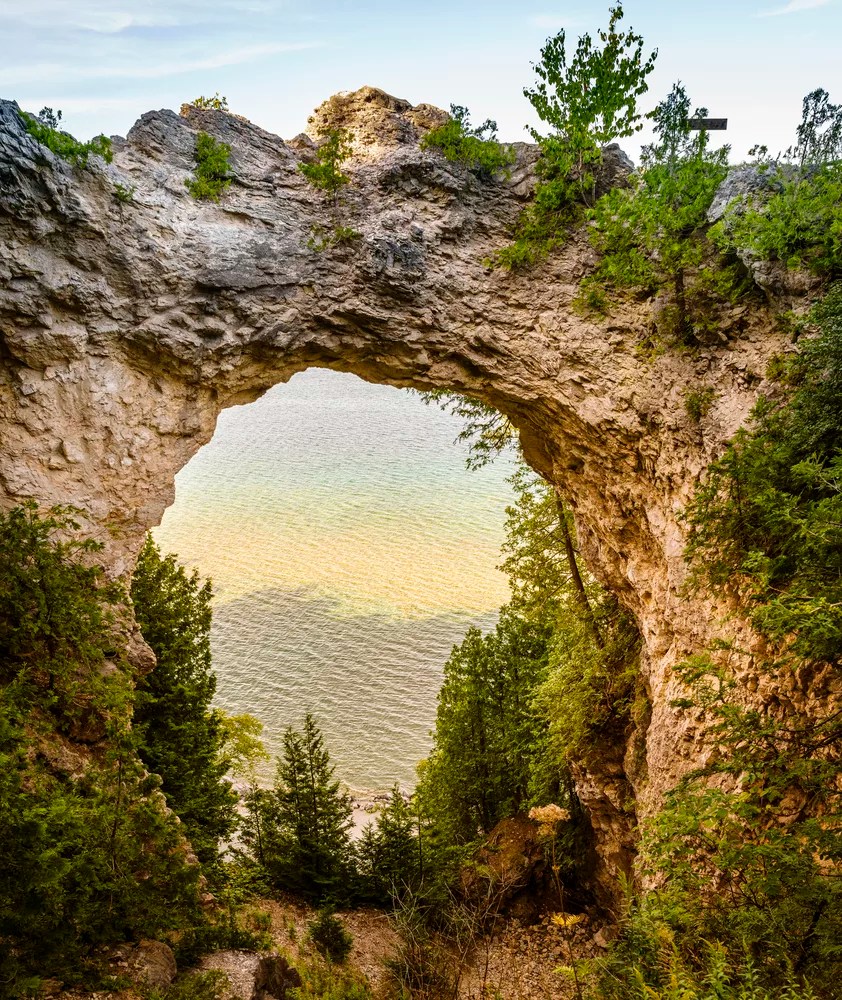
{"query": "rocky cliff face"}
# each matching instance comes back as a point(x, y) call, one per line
point(126, 328)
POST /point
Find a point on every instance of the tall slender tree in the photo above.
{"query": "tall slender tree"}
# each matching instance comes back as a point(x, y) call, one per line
point(298, 830)
point(180, 737)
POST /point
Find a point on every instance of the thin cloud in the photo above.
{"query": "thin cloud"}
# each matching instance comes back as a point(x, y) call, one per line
point(128, 71)
point(110, 17)
point(794, 7)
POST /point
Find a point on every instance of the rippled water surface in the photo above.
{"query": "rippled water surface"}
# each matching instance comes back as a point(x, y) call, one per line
point(349, 550)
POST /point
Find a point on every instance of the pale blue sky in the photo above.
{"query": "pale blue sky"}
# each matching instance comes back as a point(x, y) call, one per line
point(104, 62)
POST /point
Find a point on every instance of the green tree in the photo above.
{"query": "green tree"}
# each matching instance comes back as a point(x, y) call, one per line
point(478, 771)
point(487, 432)
point(180, 737)
point(766, 523)
point(90, 854)
point(588, 100)
point(591, 99)
point(325, 173)
point(652, 235)
point(299, 828)
point(796, 220)
point(56, 611)
point(387, 854)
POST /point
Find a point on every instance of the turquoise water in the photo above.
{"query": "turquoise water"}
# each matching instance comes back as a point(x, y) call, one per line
point(349, 550)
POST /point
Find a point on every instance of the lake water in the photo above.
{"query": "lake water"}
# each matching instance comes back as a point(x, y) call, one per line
point(349, 550)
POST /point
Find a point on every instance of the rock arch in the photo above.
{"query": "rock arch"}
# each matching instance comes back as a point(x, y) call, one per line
point(126, 328)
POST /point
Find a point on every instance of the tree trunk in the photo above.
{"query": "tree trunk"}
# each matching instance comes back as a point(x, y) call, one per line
point(575, 575)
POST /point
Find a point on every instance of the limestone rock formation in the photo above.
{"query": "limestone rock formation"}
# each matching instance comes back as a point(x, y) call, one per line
point(125, 328)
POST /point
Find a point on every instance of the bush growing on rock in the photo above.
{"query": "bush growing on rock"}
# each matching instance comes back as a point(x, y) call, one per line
point(45, 129)
point(476, 148)
point(326, 173)
point(213, 169)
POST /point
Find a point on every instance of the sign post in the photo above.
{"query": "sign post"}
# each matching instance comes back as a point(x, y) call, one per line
point(708, 124)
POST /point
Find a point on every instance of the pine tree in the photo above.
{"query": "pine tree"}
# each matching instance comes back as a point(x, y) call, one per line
point(302, 823)
point(386, 854)
point(180, 736)
point(478, 771)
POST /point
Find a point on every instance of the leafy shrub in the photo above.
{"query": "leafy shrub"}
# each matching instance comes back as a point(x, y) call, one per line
point(326, 173)
point(799, 224)
point(476, 148)
point(697, 402)
point(665, 975)
point(766, 522)
point(45, 129)
point(213, 169)
point(325, 237)
point(210, 985)
point(124, 193)
point(325, 981)
point(797, 221)
point(215, 103)
point(328, 934)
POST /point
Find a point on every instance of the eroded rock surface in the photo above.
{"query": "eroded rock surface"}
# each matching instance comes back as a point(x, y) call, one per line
point(126, 328)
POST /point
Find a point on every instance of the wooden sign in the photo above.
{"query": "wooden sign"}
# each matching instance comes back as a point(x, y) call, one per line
point(708, 124)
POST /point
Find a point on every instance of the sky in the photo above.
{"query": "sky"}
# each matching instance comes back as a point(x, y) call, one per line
point(105, 62)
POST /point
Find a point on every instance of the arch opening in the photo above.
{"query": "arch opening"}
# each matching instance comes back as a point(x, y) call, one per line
point(350, 549)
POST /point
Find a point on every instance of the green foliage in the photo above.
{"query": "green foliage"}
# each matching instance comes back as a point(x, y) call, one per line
point(216, 103)
point(591, 99)
point(212, 176)
point(180, 737)
point(593, 648)
point(387, 855)
point(767, 520)
point(241, 743)
point(327, 237)
point(486, 431)
point(588, 100)
point(124, 193)
point(211, 985)
point(328, 934)
point(476, 148)
point(798, 225)
point(91, 856)
point(298, 830)
point(322, 980)
point(747, 863)
point(651, 235)
point(45, 129)
point(797, 220)
point(57, 617)
point(478, 771)
point(326, 173)
point(669, 976)
point(746, 851)
point(697, 402)
point(819, 136)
